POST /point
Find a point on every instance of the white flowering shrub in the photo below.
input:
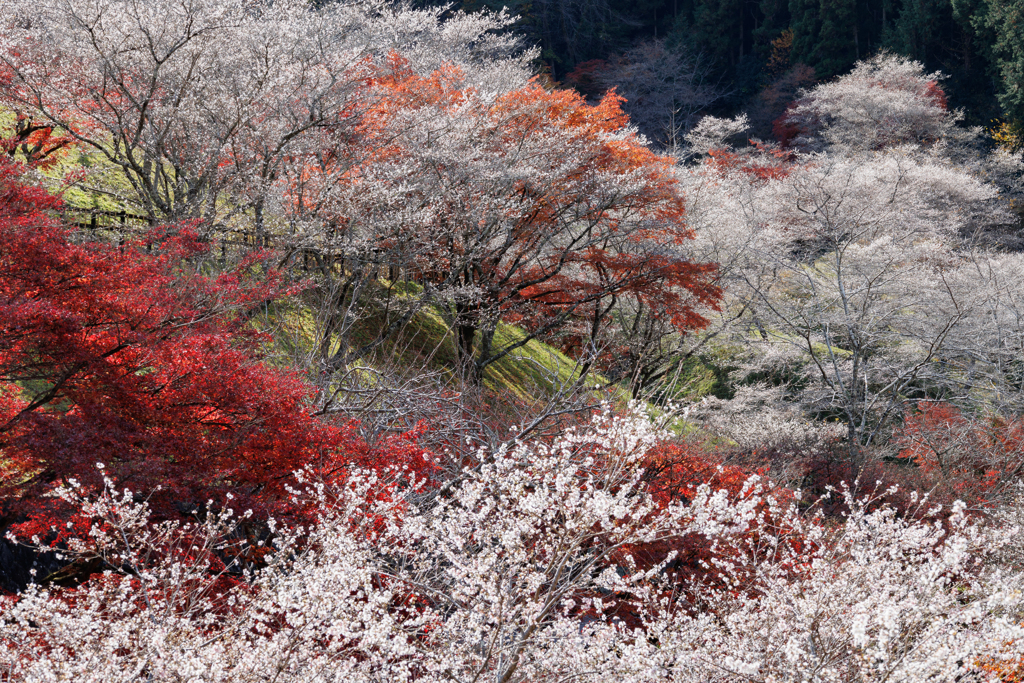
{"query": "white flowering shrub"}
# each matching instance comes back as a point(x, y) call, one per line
point(526, 567)
point(758, 416)
point(876, 598)
point(885, 101)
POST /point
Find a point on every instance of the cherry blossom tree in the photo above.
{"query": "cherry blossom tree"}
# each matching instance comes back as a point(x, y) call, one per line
point(198, 103)
point(852, 273)
point(852, 265)
point(524, 568)
point(531, 207)
point(885, 101)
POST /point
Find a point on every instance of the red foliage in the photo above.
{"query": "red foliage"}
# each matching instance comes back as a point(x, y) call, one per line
point(771, 164)
point(118, 357)
point(588, 78)
point(784, 129)
point(674, 472)
point(960, 456)
point(937, 95)
point(36, 143)
point(662, 281)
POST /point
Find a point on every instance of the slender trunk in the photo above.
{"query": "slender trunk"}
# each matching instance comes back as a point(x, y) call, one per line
point(465, 335)
point(465, 325)
point(483, 353)
point(260, 225)
point(467, 322)
point(855, 413)
point(740, 57)
point(853, 448)
point(333, 326)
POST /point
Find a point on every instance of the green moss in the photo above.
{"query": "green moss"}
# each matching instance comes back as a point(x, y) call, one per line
point(692, 378)
point(530, 372)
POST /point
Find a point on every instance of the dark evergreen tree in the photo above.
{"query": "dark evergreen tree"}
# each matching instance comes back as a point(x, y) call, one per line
point(979, 44)
point(827, 34)
point(573, 31)
point(716, 29)
point(775, 19)
point(931, 32)
point(999, 26)
point(919, 29)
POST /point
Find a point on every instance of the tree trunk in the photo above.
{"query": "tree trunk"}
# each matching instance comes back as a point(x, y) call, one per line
point(465, 336)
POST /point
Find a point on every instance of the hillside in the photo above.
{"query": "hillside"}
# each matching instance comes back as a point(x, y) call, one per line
point(340, 344)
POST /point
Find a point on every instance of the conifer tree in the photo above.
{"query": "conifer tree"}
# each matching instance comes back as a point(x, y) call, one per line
point(825, 34)
point(1000, 27)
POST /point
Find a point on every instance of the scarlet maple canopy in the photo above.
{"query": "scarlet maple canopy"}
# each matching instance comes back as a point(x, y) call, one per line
point(115, 356)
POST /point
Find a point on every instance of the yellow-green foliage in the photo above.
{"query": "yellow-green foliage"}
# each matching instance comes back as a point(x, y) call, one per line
point(1008, 134)
point(533, 370)
point(97, 183)
point(695, 377)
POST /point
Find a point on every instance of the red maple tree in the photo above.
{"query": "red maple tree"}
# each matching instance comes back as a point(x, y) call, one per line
point(959, 456)
point(134, 361)
point(532, 207)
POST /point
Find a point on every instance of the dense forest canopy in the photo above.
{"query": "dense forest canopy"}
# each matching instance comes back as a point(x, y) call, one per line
point(751, 43)
point(364, 341)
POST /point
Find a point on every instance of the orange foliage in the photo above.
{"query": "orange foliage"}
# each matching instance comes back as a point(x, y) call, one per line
point(583, 174)
point(1005, 670)
point(36, 143)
